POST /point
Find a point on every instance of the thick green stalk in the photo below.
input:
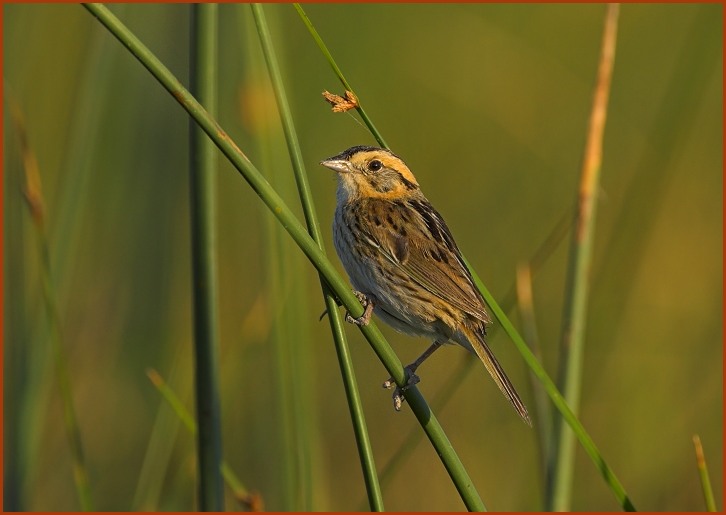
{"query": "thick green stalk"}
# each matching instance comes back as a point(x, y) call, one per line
point(203, 163)
point(336, 325)
point(335, 282)
point(558, 494)
point(443, 396)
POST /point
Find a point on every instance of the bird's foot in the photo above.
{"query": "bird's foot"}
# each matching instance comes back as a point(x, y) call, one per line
point(365, 318)
point(398, 398)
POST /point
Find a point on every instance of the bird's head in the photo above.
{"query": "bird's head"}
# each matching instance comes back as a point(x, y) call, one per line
point(371, 172)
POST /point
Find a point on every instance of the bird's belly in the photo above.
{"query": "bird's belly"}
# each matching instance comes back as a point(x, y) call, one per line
point(407, 308)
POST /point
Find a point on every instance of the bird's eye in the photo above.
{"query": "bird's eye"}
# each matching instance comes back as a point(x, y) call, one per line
point(375, 165)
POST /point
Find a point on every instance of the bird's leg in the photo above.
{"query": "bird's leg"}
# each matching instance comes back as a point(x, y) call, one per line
point(411, 377)
point(365, 318)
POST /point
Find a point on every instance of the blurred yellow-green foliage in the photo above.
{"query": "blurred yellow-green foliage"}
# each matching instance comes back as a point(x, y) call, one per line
point(488, 104)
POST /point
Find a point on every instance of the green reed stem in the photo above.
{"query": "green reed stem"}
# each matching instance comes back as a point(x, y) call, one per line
point(365, 451)
point(324, 49)
point(335, 282)
point(704, 475)
point(203, 168)
point(558, 494)
point(445, 393)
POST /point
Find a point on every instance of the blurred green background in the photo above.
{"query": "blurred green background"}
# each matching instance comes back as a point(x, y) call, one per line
point(488, 104)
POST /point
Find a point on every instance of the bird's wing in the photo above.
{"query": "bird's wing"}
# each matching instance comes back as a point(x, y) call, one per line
point(421, 245)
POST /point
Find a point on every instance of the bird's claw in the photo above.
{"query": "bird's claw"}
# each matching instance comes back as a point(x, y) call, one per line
point(398, 398)
point(365, 318)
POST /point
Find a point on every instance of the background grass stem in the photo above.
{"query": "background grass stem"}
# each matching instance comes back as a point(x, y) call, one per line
point(35, 202)
point(558, 494)
point(203, 163)
point(704, 475)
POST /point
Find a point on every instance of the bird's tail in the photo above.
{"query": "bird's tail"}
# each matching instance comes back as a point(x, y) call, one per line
point(479, 344)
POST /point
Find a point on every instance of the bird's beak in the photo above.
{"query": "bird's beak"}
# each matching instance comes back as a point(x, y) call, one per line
point(337, 165)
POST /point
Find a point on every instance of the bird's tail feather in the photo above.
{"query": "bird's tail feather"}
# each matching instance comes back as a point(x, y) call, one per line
point(482, 350)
